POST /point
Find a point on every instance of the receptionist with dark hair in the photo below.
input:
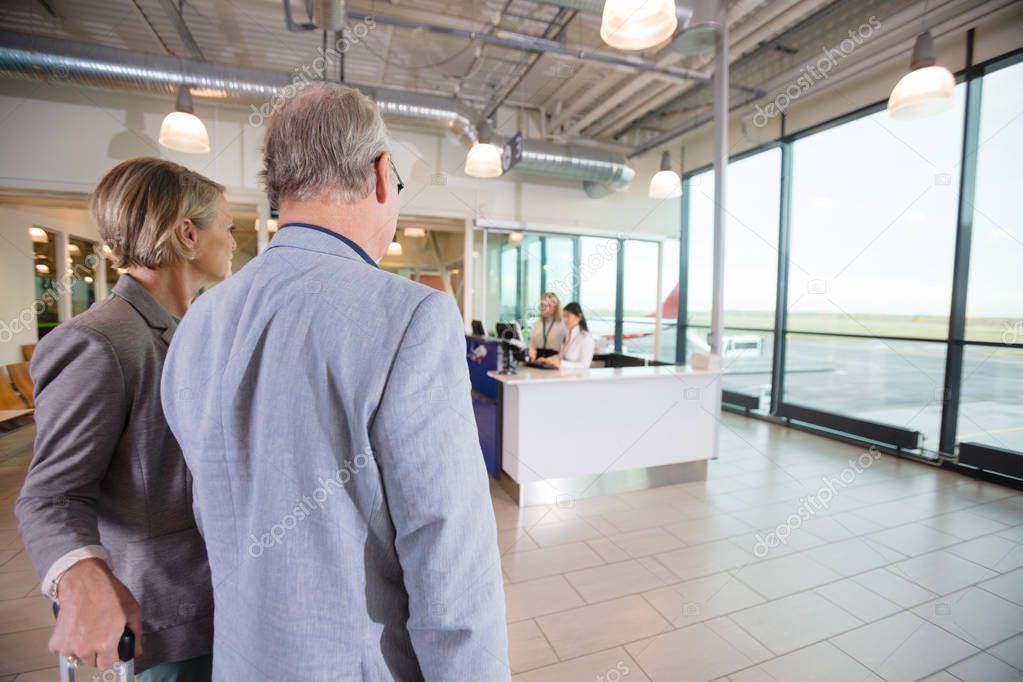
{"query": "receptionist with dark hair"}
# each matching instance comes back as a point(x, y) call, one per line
point(577, 350)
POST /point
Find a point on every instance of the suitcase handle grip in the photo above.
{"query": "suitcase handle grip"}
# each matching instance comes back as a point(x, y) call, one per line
point(125, 646)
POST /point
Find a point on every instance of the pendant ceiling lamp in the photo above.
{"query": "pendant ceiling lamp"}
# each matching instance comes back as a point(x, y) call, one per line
point(484, 158)
point(666, 183)
point(927, 89)
point(638, 24)
point(182, 130)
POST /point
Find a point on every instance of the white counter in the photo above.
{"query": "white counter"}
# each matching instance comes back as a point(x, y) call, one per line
point(576, 433)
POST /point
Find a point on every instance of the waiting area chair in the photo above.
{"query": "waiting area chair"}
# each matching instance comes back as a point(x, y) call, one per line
point(14, 409)
point(22, 381)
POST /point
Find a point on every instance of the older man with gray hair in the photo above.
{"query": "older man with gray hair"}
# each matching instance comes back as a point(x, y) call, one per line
point(323, 408)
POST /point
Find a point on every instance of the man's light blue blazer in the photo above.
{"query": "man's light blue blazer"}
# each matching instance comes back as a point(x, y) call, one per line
point(323, 407)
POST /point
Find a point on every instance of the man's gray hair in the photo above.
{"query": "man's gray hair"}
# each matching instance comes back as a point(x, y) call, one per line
point(322, 141)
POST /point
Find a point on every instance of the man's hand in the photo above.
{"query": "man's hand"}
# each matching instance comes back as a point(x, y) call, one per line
point(94, 608)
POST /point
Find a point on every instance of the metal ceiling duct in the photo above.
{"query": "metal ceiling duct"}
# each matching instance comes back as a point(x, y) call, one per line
point(39, 58)
point(436, 111)
point(602, 173)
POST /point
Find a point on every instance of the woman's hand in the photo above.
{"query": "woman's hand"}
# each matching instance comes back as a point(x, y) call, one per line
point(553, 361)
point(94, 608)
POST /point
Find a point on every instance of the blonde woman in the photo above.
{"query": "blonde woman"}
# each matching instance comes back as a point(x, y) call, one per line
point(106, 509)
point(549, 332)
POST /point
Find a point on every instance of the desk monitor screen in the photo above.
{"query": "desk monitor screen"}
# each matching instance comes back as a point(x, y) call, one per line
point(477, 328)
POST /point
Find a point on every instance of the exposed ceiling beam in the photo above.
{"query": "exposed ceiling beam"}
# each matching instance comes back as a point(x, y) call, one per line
point(739, 12)
point(526, 43)
point(785, 15)
point(553, 31)
point(179, 25)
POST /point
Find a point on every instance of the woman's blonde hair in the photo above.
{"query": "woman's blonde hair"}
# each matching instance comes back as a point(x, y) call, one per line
point(553, 298)
point(140, 202)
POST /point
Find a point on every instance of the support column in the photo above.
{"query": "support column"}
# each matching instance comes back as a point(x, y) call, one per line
point(717, 311)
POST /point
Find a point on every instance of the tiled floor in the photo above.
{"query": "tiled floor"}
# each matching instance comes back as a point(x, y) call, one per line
point(889, 571)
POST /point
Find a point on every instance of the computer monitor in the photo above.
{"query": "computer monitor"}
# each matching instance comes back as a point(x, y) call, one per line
point(477, 328)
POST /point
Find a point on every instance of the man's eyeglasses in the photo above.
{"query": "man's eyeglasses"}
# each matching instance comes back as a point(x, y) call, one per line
point(394, 169)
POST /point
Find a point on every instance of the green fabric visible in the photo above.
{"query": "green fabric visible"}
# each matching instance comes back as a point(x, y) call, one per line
point(198, 669)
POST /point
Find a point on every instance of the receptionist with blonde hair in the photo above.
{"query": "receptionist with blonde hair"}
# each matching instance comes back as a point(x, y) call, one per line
point(549, 332)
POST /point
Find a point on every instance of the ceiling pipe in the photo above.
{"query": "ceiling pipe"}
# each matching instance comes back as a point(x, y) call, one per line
point(527, 43)
point(602, 173)
point(596, 7)
point(47, 59)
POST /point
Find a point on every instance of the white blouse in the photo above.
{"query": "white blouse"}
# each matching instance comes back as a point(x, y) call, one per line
point(577, 351)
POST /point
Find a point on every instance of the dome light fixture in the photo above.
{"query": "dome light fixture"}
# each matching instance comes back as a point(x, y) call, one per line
point(638, 24)
point(666, 183)
point(927, 89)
point(415, 232)
point(394, 248)
point(38, 235)
point(484, 158)
point(182, 130)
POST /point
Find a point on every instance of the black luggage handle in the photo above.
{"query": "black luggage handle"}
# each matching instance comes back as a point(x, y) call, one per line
point(126, 645)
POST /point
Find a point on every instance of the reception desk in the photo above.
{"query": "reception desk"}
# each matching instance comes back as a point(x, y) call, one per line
point(569, 434)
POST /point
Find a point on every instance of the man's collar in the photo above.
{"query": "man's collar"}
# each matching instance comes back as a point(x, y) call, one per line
point(316, 238)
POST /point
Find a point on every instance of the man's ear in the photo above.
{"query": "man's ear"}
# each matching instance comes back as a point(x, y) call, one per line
point(383, 174)
point(187, 234)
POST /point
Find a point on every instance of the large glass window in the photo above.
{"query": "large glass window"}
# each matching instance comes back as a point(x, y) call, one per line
point(751, 266)
point(991, 398)
point(991, 402)
point(874, 224)
point(890, 382)
point(874, 205)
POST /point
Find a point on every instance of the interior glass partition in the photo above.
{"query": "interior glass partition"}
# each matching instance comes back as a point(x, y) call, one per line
point(47, 293)
point(82, 260)
point(520, 266)
point(641, 298)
